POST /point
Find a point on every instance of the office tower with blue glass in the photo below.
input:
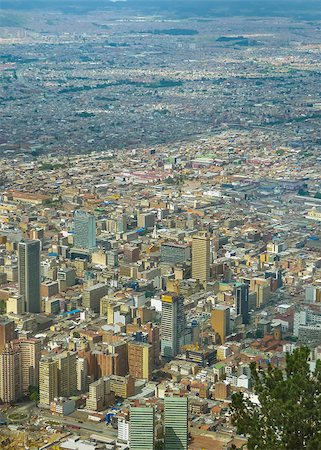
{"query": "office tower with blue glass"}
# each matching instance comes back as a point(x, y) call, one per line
point(85, 230)
point(29, 274)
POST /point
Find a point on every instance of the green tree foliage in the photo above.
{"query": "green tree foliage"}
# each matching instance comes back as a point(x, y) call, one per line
point(33, 393)
point(303, 192)
point(288, 416)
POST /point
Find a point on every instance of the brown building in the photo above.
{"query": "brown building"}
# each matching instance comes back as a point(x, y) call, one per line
point(7, 332)
point(140, 360)
point(10, 375)
point(131, 254)
point(153, 340)
point(222, 390)
point(112, 360)
point(49, 288)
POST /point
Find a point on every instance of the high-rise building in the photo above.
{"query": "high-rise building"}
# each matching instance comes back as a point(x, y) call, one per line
point(85, 230)
point(7, 332)
point(10, 375)
point(67, 374)
point(221, 321)
point(82, 372)
point(29, 274)
point(242, 301)
point(48, 380)
point(30, 355)
point(140, 360)
point(141, 429)
point(173, 324)
point(176, 423)
point(201, 257)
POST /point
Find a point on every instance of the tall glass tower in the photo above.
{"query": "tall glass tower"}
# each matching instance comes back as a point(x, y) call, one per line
point(142, 426)
point(176, 423)
point(173, 324)
point(85, 230)
point(29, 274)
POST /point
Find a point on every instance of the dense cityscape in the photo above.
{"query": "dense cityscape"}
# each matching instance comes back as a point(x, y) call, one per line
point(160, 210)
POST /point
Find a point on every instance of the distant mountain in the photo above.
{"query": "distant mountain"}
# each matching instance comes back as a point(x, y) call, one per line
point(302, 9)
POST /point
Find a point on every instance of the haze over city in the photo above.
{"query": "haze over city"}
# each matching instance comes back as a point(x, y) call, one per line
point(160, 210)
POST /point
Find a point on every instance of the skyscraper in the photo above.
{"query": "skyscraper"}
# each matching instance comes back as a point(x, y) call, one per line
point(48, 380)
point(67, 374)
point(30, 350)
point(201, 257)
point(140, 360)
point(142, 425)
point(10, 375)
point(221, 321)
point(85, 230)
point(7, 332)
point(242, 301)
point(172, 324)
point(176, 423)
point(29, 274)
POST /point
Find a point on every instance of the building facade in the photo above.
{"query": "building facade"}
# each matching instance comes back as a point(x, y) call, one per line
point(29, 274)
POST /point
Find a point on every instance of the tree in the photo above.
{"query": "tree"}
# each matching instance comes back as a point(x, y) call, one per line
point(303, 192)
point(33, 393)
point(288, 413)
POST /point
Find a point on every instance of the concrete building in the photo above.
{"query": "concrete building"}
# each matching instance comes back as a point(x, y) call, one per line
point(52, 306)
point(100, 395)
point(30, 350)
point(7, 332)
point(85, 230)
point(67, 374)
point(140, 360)
point(82, 373)
point(66, 278)
point(63, 406)
point(122, 386)
point(173, 253)
point(10, 375)
point(48, 380)
point(123, 430)
point(92, 295)
point(201, 257)
point(222, 390)
point(220, 320)
point(29, 274)
point(145, 220)
point(176, 423)
point(15, 305)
